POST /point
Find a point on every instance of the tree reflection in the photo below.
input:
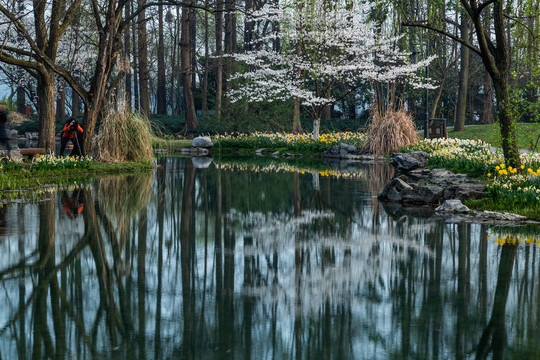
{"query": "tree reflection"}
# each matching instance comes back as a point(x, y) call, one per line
point(218, 264)
point(494, 335)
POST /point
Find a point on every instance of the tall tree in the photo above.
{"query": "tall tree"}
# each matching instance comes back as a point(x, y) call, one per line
point(161, 79)
point(464, 71)
point(144, 97)
point(185, 60)
point(494, 53)
point(204, 88)
point(127, 54)
point(219, 61)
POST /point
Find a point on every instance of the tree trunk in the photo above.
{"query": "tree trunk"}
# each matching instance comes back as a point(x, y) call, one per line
point(204, 106)
point(219, 60)
point(135, 67)
point(437, 97)
point(296, 121)
point(127, 54)
point(461, 106)
point(508, 135)
point(316, 127)
point(185, 60)
point(61, 100)
point(75, 104)
point(21, 100)
point(487, 99)
point(161, 80)
point(192, 47)
point(143, 61)
point(327, 114)
point(45, 90)
point(230, 45)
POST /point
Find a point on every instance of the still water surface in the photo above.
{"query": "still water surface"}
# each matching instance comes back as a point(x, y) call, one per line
point(232, 262)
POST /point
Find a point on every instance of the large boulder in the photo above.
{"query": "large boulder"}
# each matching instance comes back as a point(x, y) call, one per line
point(394, 190)
point(464, 191)
point(424, 194)
point(443, 176)
point(405, 162)
point(202, 142)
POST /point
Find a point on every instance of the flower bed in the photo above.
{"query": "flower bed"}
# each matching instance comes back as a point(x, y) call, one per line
point(288, 142)
point(49, 162)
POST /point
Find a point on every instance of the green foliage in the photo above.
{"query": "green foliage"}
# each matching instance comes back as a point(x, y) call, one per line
point(8, 164)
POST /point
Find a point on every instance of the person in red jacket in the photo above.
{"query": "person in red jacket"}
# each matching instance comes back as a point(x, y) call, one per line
point(71, 128)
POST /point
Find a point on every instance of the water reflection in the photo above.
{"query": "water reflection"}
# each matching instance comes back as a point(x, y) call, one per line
point(221, 263)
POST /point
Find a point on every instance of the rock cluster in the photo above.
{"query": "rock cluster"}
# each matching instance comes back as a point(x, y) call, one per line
point(347, 152)
point(413, 184)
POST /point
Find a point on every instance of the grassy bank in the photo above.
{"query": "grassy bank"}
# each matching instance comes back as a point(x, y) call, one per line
point(171, 145)
point(25, 180)
point(527, 135)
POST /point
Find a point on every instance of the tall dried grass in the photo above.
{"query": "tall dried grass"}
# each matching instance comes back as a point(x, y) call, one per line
point(14, 117)
point(123, 136)
point(391, 132)
point(391, 127)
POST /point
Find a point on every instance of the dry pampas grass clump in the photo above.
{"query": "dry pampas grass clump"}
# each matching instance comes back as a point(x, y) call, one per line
point(123, 136)
point(14, 117)
point(390, 132)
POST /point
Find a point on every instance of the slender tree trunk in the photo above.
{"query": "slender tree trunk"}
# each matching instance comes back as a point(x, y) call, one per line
point(316, 127)
point(45, 90)
point(174, 67)
point(161, 80)
point(143, 61)
point(192, 47)
point(219, 60)
point(204, 107)
point(461, 107)
point(127, 54)
point(437, 97)
point(185, 60)
point(230, 46)
point(135, 67)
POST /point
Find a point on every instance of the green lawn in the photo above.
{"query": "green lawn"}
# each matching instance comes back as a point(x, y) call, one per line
point(527, 135)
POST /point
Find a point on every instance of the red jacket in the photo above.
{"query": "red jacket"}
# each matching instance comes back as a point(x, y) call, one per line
point(70, 134)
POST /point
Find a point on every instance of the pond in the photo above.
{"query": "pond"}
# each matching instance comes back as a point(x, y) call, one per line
point(258, 260)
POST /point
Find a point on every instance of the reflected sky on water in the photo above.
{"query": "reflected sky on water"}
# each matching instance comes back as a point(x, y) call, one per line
point(258, 261)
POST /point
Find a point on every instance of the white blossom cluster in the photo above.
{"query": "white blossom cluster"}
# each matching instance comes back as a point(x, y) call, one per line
point(320, 45)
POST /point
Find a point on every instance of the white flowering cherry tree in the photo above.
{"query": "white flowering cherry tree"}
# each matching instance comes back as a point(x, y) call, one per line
point(323, 44)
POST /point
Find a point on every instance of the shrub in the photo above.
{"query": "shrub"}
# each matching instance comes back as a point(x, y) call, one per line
point(123, 136)
point(390, 132)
